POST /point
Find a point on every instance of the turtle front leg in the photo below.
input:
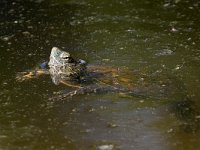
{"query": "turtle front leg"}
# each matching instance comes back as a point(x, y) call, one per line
point(26, 75)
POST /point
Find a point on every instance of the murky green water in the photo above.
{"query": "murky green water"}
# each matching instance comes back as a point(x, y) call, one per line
point(155, 39)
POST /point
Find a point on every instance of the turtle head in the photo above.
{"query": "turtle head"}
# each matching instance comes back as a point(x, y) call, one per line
point(60, 58)
point(62, 66)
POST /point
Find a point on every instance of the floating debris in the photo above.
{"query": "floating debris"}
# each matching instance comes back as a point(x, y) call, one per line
point(164, 52)
point(170, 130)
point(173, 29)
point(197, 117)
point(111, 125)
point(26, 33)
point(105, 147)
point(6, 38)
point(106, 60)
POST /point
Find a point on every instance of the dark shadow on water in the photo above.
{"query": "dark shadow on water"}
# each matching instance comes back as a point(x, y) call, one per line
point(188, 115)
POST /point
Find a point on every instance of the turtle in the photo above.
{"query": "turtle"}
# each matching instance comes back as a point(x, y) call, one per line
point(83, 78)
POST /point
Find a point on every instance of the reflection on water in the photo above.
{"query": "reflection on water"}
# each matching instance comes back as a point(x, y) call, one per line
point(159, 41)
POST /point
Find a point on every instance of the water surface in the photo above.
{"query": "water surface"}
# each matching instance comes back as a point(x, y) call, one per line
point(158, 41)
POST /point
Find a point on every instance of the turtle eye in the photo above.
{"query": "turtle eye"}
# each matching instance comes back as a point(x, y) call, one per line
point(69, 59)
point(65, 57)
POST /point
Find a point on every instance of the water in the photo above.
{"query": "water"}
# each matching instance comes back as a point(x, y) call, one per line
point(158, 40)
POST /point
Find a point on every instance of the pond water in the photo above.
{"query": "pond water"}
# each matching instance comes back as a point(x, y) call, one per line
point(157, 40)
